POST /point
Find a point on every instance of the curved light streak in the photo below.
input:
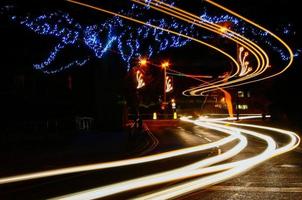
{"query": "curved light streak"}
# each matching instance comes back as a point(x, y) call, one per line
point(264, 29)
point(233, 169)
point(229, 170)
point(216, 29)
point(163, 176)
point(243, 80)
point(119, 163)
point(157, 27)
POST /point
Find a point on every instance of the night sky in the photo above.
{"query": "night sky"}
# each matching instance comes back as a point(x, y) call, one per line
point(20, 48)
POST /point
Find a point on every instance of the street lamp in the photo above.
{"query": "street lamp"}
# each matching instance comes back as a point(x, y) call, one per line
point(223, 30)
point(143, 62)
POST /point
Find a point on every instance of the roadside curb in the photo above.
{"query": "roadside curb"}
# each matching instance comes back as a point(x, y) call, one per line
point(145, 142)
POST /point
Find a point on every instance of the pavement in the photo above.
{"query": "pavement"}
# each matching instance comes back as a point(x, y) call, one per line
point(278, 178)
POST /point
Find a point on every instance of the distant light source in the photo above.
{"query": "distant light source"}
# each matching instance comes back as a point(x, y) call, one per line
point(154, 115)
point(223, 29)
point(143, 62)
point(173, 104)
point(174, 115)
point(165, 65)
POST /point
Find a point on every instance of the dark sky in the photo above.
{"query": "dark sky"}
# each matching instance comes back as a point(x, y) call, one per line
point(20, 47)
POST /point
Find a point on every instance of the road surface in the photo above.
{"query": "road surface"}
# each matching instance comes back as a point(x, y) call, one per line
point(278, 178)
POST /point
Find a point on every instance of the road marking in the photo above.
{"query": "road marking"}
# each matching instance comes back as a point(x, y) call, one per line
point(289, 166)
point(256, 189)
point(207, 139)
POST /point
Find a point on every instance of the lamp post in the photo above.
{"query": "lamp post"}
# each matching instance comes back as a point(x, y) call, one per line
point(165, 65)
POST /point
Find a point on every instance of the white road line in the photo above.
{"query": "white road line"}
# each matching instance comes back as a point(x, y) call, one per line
point(256, 189)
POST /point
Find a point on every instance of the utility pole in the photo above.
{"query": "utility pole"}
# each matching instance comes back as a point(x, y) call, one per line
point(165, 84)
point(165, 65)
point(237, 99)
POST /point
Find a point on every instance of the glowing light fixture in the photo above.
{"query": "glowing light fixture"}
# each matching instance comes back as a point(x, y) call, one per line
point(165, 65)
point(143, 62)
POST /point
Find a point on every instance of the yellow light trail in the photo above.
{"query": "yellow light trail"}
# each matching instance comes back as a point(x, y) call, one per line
point(157, 27)
point(140, 22)
point(291, 55)
point(231, 83)
point(193, 19)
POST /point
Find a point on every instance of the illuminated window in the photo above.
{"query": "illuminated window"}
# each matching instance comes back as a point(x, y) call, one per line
point(242, 107)
point(248, 94)
point(240, 94)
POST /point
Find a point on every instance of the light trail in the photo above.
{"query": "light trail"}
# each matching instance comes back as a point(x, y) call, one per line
point(197, 169)
point(233, 169)
point(213, 85)
point(162, 177)
point(195, 20)
point(248, 70)
point(264, 29)
point(202, 167)
point(229, 170)
point(291, 55)
point(113, 164)
point(263, 63)
point(159, 28)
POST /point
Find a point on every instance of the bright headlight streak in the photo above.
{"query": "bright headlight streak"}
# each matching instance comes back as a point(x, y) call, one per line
point(164, 176)
point(260, 69)
point(234, 168)
point(259, 116)
point(294, 138)
point(120, 163)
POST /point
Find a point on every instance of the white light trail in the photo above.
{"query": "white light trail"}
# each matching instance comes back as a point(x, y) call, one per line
point(232, 169)
point(163, 177)
point(119, 163)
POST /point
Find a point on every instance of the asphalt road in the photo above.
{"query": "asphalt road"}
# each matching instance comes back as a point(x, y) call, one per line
point(278, 178)
point(170, 138)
